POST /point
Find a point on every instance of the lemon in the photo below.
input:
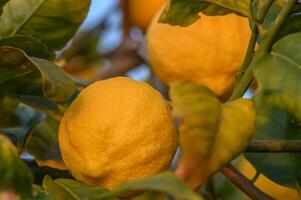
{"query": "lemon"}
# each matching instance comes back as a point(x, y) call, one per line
point(208, 52)
point(141, 12)
point(266, 185)
point(117, 130)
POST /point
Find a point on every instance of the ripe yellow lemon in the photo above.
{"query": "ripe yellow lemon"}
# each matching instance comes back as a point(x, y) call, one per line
point(266, 185)
point(208, 52)
point(141, 12)
point(117, 130)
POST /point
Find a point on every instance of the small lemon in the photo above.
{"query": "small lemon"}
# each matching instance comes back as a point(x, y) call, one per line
point(117, 130)
point(141, 12)
point(266, 185)
point(208, 52)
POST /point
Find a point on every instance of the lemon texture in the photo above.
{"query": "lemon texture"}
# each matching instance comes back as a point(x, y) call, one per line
point(141, 12)
point(208, 52)
point(117, 130)
point(266, 185)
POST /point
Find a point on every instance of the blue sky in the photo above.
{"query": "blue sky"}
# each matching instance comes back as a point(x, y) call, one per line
point(98, 10)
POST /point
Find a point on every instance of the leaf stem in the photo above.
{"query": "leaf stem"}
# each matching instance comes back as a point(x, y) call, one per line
point(244, 184)
point(249, 55)
point(265, 46)
point(274, 146)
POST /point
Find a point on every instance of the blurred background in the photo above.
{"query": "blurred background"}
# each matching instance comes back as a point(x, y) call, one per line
point(106, 45)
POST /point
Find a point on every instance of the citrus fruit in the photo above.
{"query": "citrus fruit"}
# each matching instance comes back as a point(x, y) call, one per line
point(141, 12)
point(117, 130)
point(266, 185)
point(208, 52)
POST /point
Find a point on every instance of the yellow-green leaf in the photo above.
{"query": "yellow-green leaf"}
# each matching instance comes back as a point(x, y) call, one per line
point(165, 182)
point(14, 175)
point(53, 22)
point(211, 133)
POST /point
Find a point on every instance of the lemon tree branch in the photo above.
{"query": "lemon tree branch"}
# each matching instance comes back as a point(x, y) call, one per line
point(244, 184)
point(276, 146)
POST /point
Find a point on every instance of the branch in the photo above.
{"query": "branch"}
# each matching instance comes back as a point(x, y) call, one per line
point(127, 56)
point(244, 184)
point(123, 59)
point(274, 146)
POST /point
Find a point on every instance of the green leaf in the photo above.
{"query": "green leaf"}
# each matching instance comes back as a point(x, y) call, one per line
point(7, 74)
point(2, 3)
point(272, 13)
point(292, 25)
point(42, 197)
point(43, 144)
point(31, 46)
point(186, 12)
point(211, 133)
point(46, 79)
point(14, 175)
point(51, 109)
point(282, 168)
point(62, 189)
point(260, 8)
point(278, 75)
point(278, 105)
point(54, 22)
point(7, 106)
point(27, 119)
point(165, 182)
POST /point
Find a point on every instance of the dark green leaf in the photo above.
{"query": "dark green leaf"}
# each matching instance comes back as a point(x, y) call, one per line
point(186, 12)
point(51, 109)
point(31, 46)
point(62, 189)
point(27, 119)
point(57, 84)
point(42, 197)
point(43, 144)
point(46, 79)
point(292, 25)
point(2, 3)
point(282, 168)
point(272, 14)
point(7, 106)
point(260, 8)
point(10, 73)
point(278, 104)
point(54, 22)
point(14, 175)
point(165, 182)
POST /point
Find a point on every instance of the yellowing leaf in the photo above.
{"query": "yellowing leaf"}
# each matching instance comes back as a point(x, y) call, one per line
point(211, 133)
point(14, 175)
point(43, 144)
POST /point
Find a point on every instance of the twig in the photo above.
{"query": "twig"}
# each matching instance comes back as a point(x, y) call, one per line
point(126, 57)
point(249, 55)
point(123, 59)
point(256, 176)
point(245, 184)
point(274, 146)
